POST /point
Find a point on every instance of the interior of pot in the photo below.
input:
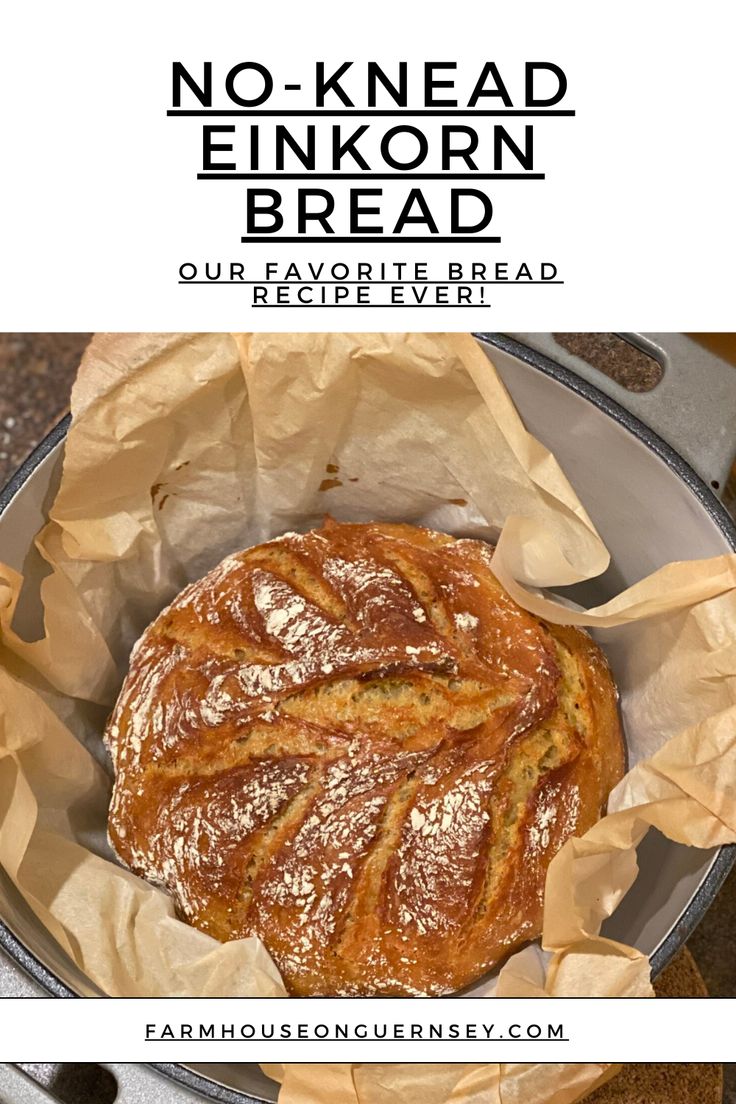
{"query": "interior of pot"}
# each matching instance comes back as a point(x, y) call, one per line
point(650, 510)
point(647, 513)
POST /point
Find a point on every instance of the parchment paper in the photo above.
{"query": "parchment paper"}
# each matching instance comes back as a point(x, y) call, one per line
point(184, 448)
point(515, 1083)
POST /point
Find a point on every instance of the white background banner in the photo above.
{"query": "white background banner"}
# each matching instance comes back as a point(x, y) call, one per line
point(612, 203)
point(334, 1030)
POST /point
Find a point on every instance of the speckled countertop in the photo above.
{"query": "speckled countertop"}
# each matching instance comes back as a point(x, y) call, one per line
point(36, 374)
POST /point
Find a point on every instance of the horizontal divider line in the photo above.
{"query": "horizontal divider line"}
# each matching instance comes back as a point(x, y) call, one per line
point(320, 111)
point(372, 283)
point(367, 176)
point(379, 306)
point(377, 283)
point(378, 239)
point(356, 1039)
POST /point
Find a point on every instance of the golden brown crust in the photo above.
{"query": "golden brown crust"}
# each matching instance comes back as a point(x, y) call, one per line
point(353, 744)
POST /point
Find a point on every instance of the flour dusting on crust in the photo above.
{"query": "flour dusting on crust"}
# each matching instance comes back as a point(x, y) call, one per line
point(353, 744)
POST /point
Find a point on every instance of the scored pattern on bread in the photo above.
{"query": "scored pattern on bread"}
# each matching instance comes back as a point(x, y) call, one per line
point(353, 744)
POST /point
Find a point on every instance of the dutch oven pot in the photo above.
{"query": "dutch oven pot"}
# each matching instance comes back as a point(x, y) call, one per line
point(650, 507)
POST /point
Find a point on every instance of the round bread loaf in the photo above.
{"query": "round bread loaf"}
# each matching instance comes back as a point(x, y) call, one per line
point(353, 744)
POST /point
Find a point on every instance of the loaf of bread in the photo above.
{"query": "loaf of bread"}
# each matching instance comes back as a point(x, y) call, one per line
point(353, 744)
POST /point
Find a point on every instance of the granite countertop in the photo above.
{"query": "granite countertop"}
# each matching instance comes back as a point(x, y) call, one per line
point(36, 375)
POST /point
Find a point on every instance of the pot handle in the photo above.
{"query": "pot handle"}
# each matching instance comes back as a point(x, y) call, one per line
point(144, 1084)
point(693, 407)
point(68, 1082)
point(21, 1087)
